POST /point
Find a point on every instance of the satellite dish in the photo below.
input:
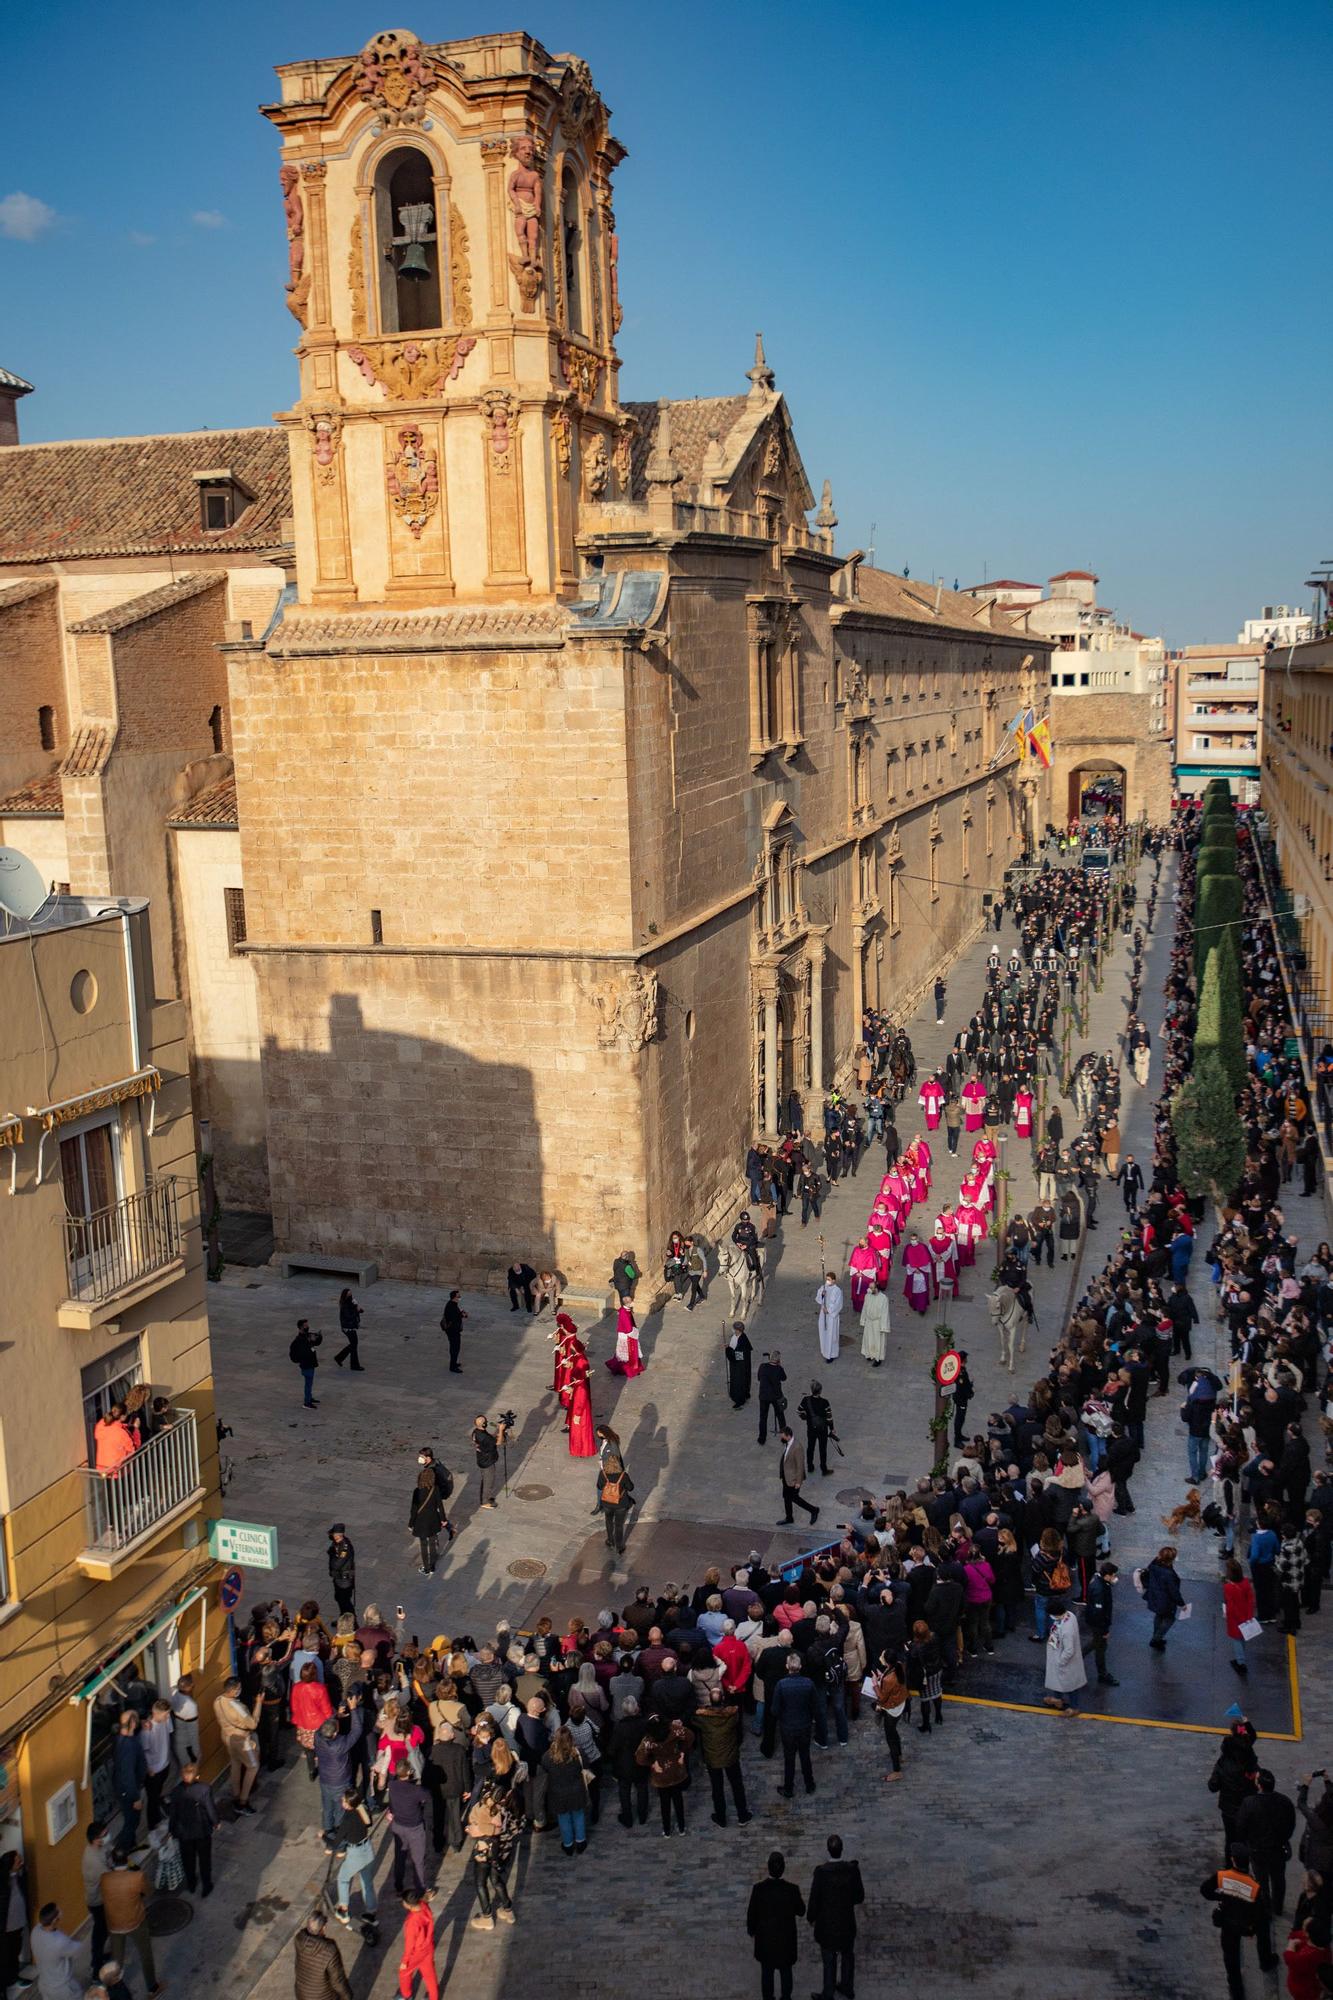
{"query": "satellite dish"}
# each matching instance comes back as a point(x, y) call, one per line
point(22, 890)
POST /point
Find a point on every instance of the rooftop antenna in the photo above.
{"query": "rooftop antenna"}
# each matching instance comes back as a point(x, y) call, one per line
point(23, 893)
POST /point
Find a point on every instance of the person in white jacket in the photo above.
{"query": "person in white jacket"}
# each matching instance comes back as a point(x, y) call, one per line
point(1065, 1671)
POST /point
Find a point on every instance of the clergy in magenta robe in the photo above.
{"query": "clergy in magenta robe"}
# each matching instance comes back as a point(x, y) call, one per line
point(880, 1240)
point(897, 1190)
point(931, 1100)
point(971, 1231)
point(862, 1267)
point(944, 1257)
point(918, 1278)
point(1023, 1113)
point(973, 1095)
point(984, 1152)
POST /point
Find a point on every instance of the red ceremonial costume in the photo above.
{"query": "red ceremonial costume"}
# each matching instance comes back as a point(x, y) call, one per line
point(1023, 1113)
point(582, 1443)
point(931, 1101)
point(879, 1238)
point(626, 1360)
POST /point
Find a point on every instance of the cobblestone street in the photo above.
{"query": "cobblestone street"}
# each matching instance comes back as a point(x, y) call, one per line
point(1012, 1806)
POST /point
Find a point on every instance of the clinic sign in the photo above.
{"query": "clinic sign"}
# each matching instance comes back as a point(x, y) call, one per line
point(243, 1544)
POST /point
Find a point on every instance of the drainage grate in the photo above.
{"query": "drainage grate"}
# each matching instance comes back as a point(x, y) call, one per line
point(852, 1496)
point(527, 1569)
point(533, 1492)
point(167, 1914)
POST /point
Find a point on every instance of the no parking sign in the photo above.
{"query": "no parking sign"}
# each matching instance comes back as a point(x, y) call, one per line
point(230, 1589)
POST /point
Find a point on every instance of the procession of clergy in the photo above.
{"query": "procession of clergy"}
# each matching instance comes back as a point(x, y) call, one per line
point(930, 1263)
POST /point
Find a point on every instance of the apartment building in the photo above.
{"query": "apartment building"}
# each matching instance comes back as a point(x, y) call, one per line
point(104, 1573)
point(1218, 718)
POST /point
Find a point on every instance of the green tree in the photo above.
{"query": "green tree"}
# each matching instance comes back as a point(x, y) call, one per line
point(1220, 1031)
point(1210, 1139)
point(1217, 910)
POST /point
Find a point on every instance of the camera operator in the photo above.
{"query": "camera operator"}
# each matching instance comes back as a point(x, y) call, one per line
point(487, 1444)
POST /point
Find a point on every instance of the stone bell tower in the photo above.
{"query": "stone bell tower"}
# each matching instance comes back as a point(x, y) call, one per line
point(452, 264)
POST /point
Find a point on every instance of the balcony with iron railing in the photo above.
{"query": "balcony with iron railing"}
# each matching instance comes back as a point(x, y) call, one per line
point(129, 1507)
point(121, 1253)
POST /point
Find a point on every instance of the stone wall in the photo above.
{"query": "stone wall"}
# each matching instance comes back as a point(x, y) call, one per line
point(32, 674)
point(1111, 729)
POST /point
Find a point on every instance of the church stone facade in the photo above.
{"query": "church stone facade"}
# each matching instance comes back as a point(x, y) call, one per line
point(586, 793)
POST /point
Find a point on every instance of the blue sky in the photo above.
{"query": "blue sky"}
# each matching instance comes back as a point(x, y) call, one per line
point(1046, 286)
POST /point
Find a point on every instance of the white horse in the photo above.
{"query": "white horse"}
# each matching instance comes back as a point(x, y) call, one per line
point(744, 1287)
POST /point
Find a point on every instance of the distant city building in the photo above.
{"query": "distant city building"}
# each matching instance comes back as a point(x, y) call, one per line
point(1280, 623)
point(1218, 718)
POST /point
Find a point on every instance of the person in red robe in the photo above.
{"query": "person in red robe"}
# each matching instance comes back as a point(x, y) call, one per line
point(566, 1341)
point(582, 1442)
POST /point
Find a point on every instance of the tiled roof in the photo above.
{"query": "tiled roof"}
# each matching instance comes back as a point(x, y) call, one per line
point(214, 806)
point(694, 421)
point(905, 597)
point(419, 631)
point(1074, 576)
point(1003, 583)
point(136, 609)
point(137, 496)
point(9, 380)
point(88, 753)
point(40, 798)
point(19, 593)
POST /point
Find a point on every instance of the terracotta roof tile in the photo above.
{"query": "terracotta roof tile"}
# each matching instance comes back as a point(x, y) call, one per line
point(694, 420)
point(906, 597)
point(1074, 575)
point(419, 631)
point(136, 609)
point(214, 806)
point(40, 798)
point(88, 753)
point(137, 496)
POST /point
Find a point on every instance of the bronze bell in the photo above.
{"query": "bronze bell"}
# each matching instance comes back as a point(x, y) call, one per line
point(414, 263)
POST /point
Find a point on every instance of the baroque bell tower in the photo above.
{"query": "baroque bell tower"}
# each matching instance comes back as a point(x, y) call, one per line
point(452, 264)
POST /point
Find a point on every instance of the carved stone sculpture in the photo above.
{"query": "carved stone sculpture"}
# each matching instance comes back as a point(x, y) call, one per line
point(293, 209)
point(598, 468)
point(392, 73)
point(562, 430)
point(582, 371)
point(412, 365)
point(413, 481)
point(499, 410)
point(525, 196)
point(628, 1011)
point(325, 427)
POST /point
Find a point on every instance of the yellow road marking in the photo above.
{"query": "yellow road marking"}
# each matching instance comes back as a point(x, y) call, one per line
point(1138, 1721)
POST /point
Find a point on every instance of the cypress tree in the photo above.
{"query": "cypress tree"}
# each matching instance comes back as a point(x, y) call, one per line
point(1210, 1139)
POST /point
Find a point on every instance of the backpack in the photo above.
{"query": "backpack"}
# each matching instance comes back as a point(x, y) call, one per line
point(298, 1351)
point(613, 1489)
point(445, 1481)
point(1060, 1577)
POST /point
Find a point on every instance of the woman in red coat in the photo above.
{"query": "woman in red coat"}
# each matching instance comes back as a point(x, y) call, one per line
point(311, 1705)
point(1238, 1603)
point(582, 1443)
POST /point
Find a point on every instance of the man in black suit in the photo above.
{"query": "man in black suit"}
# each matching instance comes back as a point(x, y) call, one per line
point(772, 1402)
point(521, 1279)
point(771, 1921)
point(835, 1891)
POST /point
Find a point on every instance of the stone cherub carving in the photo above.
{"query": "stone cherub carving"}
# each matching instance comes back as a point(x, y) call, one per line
point(628, 1011)
point(524, 190)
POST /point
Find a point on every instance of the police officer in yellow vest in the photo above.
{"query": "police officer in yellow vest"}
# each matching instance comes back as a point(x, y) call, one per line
point(1242, 1912)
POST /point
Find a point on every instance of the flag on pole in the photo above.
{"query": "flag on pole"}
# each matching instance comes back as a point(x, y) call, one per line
point(1039, 741)
point(1021, 729)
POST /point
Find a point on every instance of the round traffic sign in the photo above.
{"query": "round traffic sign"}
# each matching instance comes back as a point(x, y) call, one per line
point(948, 1368)
point(230, 1588)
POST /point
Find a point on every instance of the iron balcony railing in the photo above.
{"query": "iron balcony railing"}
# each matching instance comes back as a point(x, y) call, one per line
point(116, 1247)
point(123, 1503)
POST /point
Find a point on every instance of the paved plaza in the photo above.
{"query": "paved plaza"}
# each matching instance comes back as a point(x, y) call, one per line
point(1055, 1850)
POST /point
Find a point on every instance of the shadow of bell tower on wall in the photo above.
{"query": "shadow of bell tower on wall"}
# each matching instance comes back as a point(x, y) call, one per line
point(402, 1148)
